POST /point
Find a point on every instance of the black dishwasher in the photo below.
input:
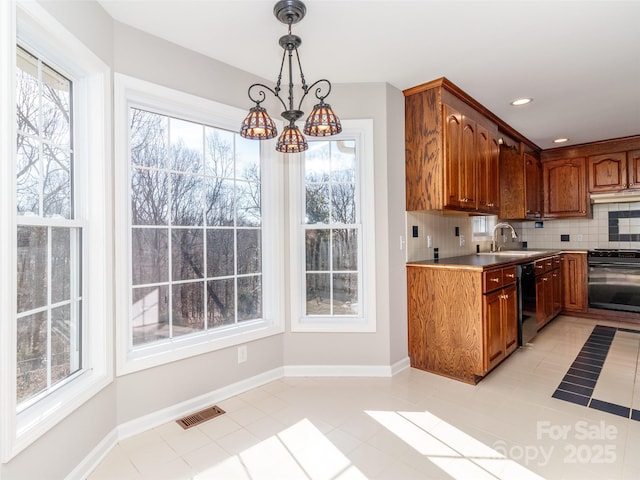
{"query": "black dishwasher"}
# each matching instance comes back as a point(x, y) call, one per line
point(527, 326)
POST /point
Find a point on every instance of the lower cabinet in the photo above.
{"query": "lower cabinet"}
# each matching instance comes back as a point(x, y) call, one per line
point(548, 290)
point(501, 325)
point(574, 275)
point(462, 322)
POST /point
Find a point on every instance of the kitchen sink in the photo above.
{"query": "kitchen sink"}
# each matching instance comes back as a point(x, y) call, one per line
point(515, 253)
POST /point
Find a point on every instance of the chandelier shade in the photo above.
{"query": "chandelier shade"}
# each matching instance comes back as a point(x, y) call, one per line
point(291, 140)
point(322, 121)
point(258, 125)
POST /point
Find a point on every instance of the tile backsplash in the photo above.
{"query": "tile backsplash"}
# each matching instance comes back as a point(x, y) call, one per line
point(614, 225)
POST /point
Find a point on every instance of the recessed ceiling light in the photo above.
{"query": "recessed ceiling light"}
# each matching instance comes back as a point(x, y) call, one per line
point(560, 140)
point(521, 101)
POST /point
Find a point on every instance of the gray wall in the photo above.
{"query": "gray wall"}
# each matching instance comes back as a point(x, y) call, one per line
point(137, 54)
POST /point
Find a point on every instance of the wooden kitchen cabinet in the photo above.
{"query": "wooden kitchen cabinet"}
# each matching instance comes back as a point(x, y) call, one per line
point(532, 183)
point(610, 166)
point(565, 188)
point(462, 322)
point(574, 280)
point(633, 163)
point(488, 172)
point(500, 325)
point(450, 148)
point(520, 179)
point(460, 155)
point(548, 290)
point(607, 172)
point(613, 172)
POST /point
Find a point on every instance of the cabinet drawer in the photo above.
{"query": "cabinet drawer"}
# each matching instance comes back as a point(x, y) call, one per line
point(545, 265)
point(492, 279)
point(508, 275)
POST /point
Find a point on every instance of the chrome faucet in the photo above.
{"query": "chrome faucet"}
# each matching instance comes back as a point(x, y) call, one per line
point(514, 235)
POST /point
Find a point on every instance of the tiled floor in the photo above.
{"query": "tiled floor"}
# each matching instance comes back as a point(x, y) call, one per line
point(413, 426)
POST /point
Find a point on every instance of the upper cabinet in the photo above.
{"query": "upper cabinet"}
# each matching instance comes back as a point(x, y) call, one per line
point(451, 151)
point(612, 172)
point(520, 178)
point(610, 166)
point(565, 188)
point(634, 168)
point(532, 184)
point(488, 172)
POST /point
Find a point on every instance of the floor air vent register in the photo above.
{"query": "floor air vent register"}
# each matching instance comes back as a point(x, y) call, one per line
point(199, 417)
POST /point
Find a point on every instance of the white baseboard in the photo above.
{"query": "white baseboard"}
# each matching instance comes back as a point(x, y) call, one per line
point(91, 461)
point(160, 417)
point(345, 370)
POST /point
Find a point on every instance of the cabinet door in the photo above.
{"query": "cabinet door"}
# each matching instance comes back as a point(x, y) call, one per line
point(542, 300)
point(565, 188)
point(574, 281)
point(532, 177)
point(510, 318)
point(607, 173)
point(487, 173)
point(633, 162)
point(468, 164)
point(512, 184)
point(452, 156)
point(556, 283)
point(493, 335)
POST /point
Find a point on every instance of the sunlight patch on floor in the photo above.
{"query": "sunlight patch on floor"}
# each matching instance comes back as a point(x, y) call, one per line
point(452, 450)
point(300, 451)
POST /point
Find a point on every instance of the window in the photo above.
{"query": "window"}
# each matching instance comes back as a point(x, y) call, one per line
point(49, 236)
point(332, 230)
point(334, 266)
point(482, 226)
point(198, 275)
point(55, 196)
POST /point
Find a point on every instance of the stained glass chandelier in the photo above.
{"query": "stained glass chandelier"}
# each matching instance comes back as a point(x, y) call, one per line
point(322, 121)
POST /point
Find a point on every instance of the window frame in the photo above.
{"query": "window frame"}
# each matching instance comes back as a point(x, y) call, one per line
point(360, 131)
point(29, 25)
point(132, 92)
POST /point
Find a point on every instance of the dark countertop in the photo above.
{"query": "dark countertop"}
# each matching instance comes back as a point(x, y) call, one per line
point(485, 260)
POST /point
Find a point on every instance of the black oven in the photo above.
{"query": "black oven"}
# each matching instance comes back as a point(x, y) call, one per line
point(614, 279)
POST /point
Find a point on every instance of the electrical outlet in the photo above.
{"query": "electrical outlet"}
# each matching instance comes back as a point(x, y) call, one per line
point(461, 240)
point(579, 237)
point(429, 241)
point(242, 353)
point(414, 231)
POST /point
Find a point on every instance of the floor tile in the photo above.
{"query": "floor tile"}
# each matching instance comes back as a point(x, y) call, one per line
point(525, 420)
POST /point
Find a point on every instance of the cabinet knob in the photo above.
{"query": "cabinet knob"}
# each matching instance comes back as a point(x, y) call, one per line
point(510, 275)
point(497, 280)
point(545, 279)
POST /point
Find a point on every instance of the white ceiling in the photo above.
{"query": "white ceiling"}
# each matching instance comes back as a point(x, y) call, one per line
point(579, 60)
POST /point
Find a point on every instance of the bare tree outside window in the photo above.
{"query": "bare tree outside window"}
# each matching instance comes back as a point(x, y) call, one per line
point(49, 243)
point(196, 228)
point(332, 229)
